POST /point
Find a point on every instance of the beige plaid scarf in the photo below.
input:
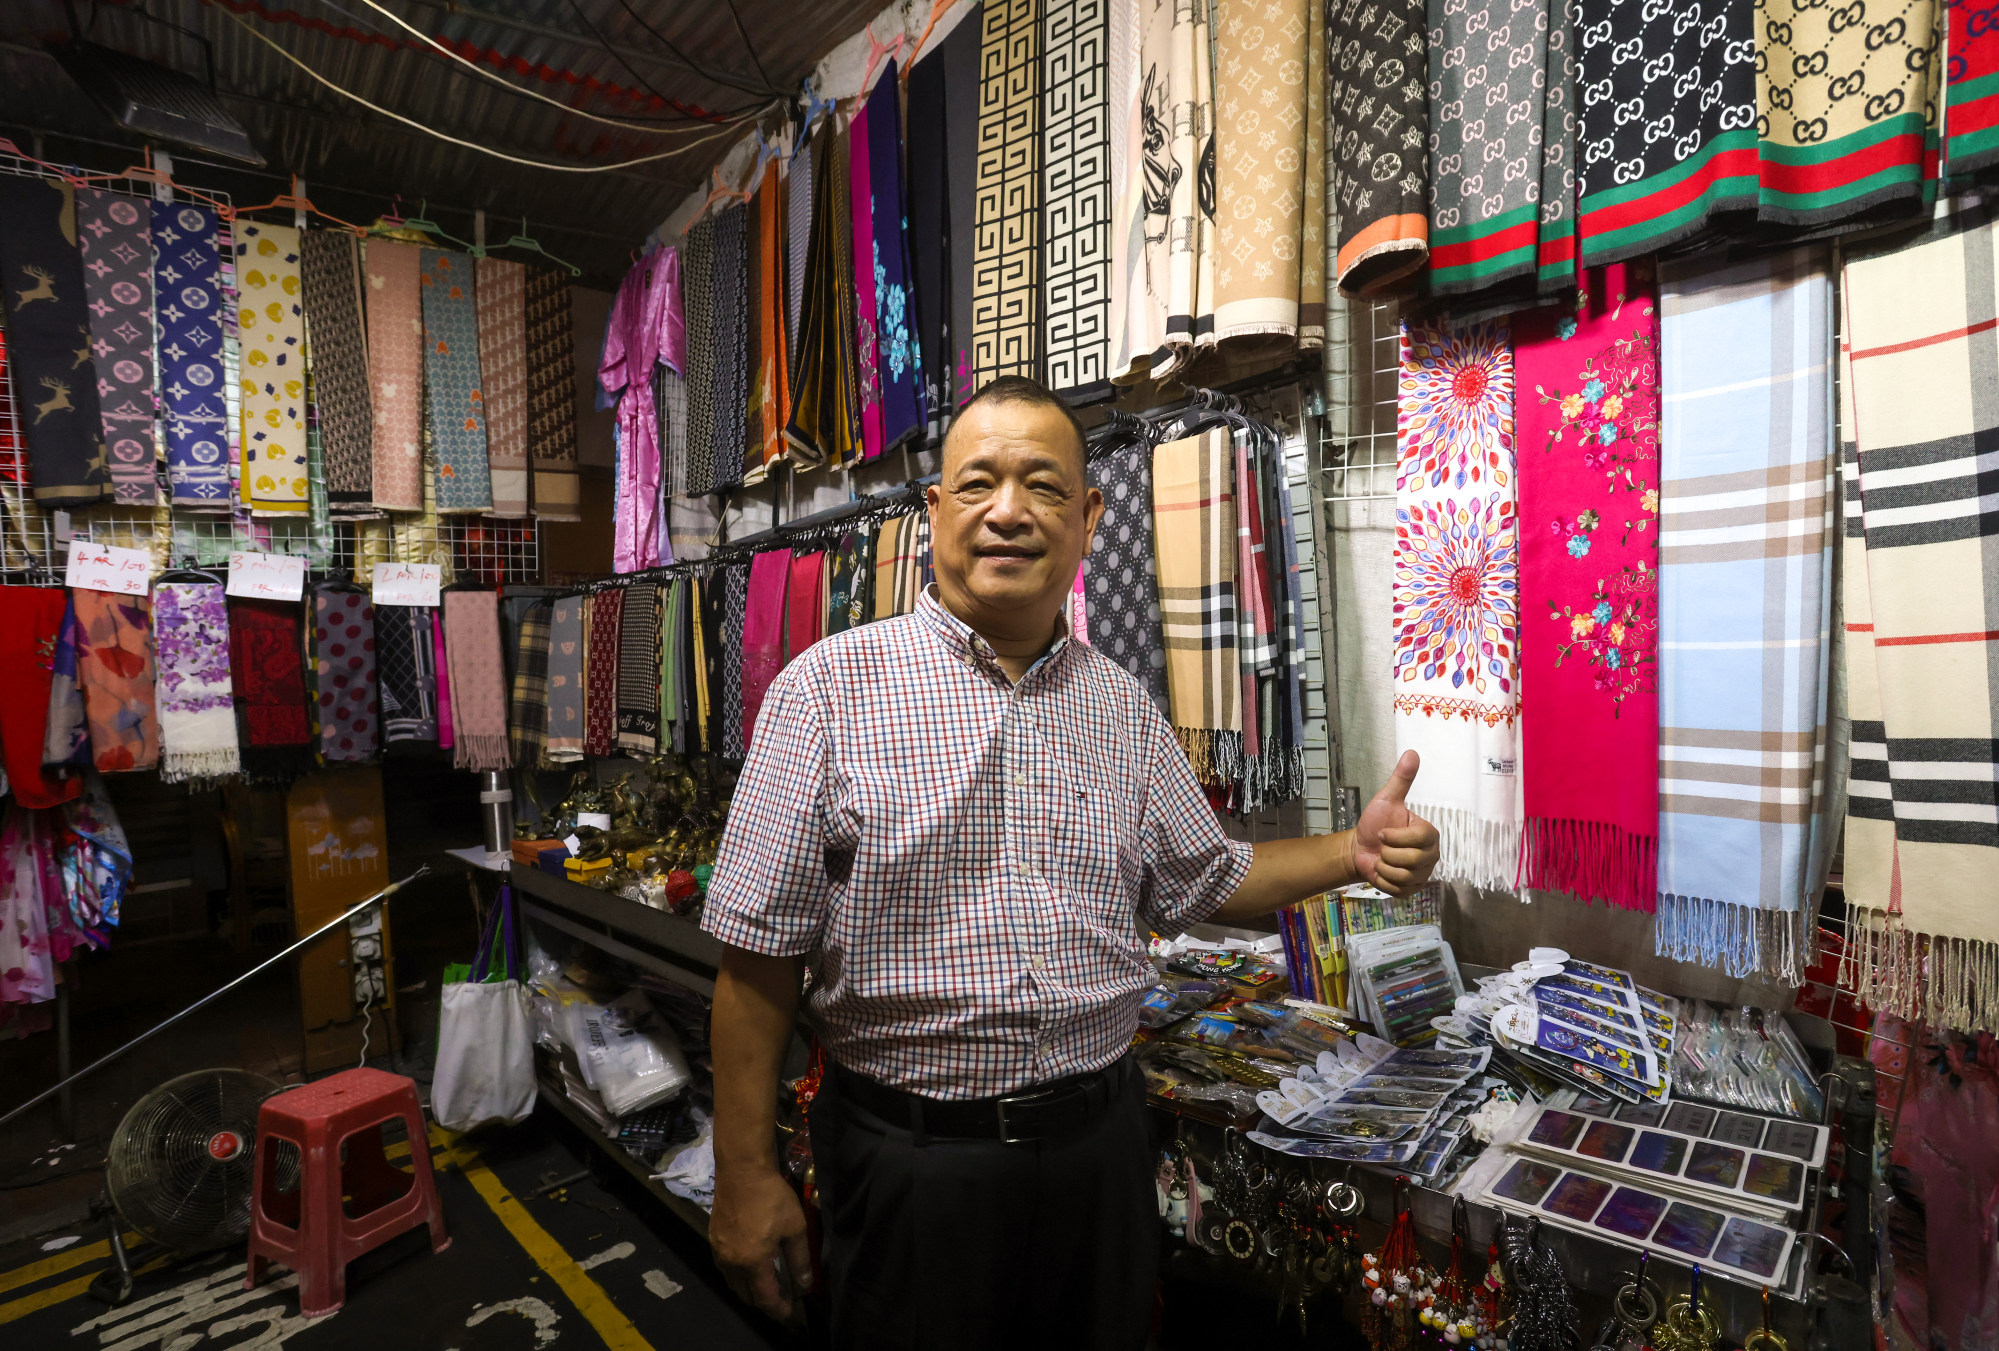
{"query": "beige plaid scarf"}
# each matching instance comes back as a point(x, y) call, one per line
point(1194, 532)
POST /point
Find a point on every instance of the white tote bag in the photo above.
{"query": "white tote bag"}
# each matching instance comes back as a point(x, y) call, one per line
point(485, 1038)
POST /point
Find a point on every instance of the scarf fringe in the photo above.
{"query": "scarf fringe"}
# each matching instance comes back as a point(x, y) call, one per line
point(1216, 755)
point(1742, 940)
point(1483, 853)
point(1591, 860)
point(1925, 979)
point(200, 768)
point(480, 750)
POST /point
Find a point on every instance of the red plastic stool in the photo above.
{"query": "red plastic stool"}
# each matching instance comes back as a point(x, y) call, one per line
point(309, 1229)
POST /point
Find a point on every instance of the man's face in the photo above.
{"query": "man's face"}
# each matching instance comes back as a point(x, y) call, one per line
point(1012, 515)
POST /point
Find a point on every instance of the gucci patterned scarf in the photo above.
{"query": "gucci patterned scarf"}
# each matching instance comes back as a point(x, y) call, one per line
point(451, 376)
point(1120, 582)
point(114, 665)
point(343, 654)
point(406, 671)
point(394, 273)
point(330, 270)
point(187, 279)
point(114, 235)
point(1970, 94)
point(271, 329)
point(502, 303)
point(197, 712)
point(478, 680)
point(48, 343)
point(551, 394)
point(1588, 417)
point(1455, 604)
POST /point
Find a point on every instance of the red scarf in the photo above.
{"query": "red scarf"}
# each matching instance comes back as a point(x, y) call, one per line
point(600, 672)
point(268, 672)
point(29, 618)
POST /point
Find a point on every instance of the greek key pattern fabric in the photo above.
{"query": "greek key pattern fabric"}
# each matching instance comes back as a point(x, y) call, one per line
point(187, 288)
point(114, 235)
point(1006, 333)
point(551, 394)
point(330, 269)
point(452, 390)
point(503, 380)
point(1668, 97)
point(394, 273)
point(1260, 108)
point(271, 327)
point(1378, 58)
point(1076, 193)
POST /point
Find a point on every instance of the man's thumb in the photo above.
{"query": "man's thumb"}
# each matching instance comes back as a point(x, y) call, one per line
point(1396, 790)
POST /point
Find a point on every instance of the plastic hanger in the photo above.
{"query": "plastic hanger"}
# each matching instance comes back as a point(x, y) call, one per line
point(421, 221)
point(188, 571)
point(876, 51)
point(938, 8)
point(293, 201)
point(523, 240)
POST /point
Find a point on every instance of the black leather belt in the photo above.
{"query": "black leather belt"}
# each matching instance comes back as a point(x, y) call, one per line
point(1043, 1112)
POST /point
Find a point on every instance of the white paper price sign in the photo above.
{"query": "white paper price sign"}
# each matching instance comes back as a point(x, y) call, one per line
point(266, 576)
point(407, 583)
point(106, 567)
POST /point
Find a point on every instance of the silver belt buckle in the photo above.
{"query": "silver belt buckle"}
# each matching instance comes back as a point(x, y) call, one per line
point(1006, 1135)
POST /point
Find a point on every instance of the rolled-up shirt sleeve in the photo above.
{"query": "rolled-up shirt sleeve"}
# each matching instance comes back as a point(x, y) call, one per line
point(770, 888)
point(1191, 866)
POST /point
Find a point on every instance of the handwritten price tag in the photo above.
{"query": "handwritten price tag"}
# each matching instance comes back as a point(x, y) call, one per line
point(106, 567)
point(266, 576)
point(407, 583)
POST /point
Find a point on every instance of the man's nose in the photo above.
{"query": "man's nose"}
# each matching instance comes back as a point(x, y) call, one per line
point(1010, 508)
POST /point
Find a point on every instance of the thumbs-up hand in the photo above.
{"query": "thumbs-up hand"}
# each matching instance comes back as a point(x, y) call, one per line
point(1395, 849)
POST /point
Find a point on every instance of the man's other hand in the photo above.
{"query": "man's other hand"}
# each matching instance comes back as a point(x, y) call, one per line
point(757, 1217)
point(1395, 849)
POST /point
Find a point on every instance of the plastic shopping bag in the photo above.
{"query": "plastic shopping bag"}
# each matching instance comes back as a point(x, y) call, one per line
point(485, 1037)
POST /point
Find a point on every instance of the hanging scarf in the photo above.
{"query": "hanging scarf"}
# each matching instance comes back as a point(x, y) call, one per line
point(1312, 214)
point(1588, 419)
point(1638, 190)
point(1260, 166)
point(602, 644)
point(271, 329)
point(1255, 640)
point(267, 676)
point(551, 394)
point(1006, 272)
point(698, 280)
point(406, 669)
point(478, 681)
point(1914, 324)
point(848, 568)
point(763, 633)
point(343, 653)
point(929, 240)
point(1144, 125)
point(66, 745)
point(672, 664)
point(565, 680)
point(48, 343)
point(94, 859)
point(330, 273)
point(440, 662)
point(1970, 97)
point(825, 395)
point(895, 568)
point(1555, 255)
point(27, 953)
point(502, 308)
point(898, 360)
point(1841, 110)
point(770, 392)
point(1456, 607)
point(114, 665)
point(187, 278)
point(1195, 556)
point(748, 463)
point(1745, 589)
point(735, 591)
point(732, 359)
point(1077, 207)
point(115, 238)
point(805, 604)
point(963, 55)
point(30, 617)
point(452, 382)
point(797, 241)
point(631, 351)
point(1121, 582)
point(394, 274)
point(197, 713)
point(861, 238)
point(638, 671)
point(527, 722)
point(1293, 588)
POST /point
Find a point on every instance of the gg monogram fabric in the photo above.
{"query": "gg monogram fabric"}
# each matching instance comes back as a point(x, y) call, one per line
point(187, 281)
point(115, 238)
point(395, 372)
point(453, 397)
point(271, 328)
point(331, 272)
point(1971, 93)
point(1381, 165)
point(1260, 157)
point(551, 381)
point(503, 364)
point(1843, 96)
point(1668, 138)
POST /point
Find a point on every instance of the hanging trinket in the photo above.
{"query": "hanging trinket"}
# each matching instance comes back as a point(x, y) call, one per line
point(1544, 1315)
point(1687, 1326)
point(1493, 1301)
point(1393, 1278)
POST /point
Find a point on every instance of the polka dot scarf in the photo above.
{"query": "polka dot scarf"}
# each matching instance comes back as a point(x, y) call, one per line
point(343, 655)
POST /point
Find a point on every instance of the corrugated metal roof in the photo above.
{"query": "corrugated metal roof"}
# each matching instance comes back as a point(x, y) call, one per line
point(355, 162)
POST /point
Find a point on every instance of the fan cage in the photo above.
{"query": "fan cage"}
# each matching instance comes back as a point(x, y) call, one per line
point(182, 1162)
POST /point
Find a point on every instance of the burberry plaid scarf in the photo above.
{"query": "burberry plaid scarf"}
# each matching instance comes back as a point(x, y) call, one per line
point(1381, 167)
point(30, 617)
point(638, 670)
point(1588, 422)
point(565, 680)
point(1456, 599)
point(1120, 580)
point(502, 311)
point(602, 620)
point(1260, 166)
point(48, 344)
point(1970, 95)
point(114, 236)
point(1194, 525)
point(1657, 158)
point(861, 236)
point(330, 275)
point(452, 379)
point(406, 672)
point(1745, 590)
point(197, 713)
point(1923, 934)
point(763, 633)
point(697, 261)
point(551, 394)
point(478, 689)
point(343, 654)
point(825, 398)
point(901, 564)
point(1006, 320)
point(898, 361)
point(735, 589)
point(187, 263)
point(114, 665)
point(394, 273)
point(271, 329)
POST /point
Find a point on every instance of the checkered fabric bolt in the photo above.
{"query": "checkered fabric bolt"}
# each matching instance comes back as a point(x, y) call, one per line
point(965, 860)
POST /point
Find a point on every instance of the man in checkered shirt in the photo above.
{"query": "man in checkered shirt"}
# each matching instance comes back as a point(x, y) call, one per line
point(964, 824)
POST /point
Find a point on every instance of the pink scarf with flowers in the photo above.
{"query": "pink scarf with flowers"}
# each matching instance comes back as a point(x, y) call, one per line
point(1588, 414)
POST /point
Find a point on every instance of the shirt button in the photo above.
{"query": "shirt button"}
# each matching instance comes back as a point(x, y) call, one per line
point(1037, 961)
point(1020, 781)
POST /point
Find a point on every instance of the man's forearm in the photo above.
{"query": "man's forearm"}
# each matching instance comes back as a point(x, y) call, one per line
point(756, 1004)
point(1285, 872)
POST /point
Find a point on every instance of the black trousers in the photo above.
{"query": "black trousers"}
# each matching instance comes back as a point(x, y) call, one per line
point(960, 1245)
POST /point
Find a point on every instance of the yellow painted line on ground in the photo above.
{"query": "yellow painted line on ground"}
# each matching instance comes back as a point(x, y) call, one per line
point(59, 1294)
point(588, 1296)
point(48, 1266)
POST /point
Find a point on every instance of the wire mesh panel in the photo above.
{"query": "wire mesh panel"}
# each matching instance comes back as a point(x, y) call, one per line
point(1357, 447)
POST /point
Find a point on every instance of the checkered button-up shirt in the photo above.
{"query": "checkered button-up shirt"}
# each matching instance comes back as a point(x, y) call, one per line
point(965, 860)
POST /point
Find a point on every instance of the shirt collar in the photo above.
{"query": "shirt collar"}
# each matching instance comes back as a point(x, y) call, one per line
point(963, 642)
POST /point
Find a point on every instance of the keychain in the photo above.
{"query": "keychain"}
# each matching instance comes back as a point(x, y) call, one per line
point(1447, 1304)
point(1764, 1339)
point(1544, 1316)
point(1392, 1278)
point(1687, 1326)
point(1633, 1311)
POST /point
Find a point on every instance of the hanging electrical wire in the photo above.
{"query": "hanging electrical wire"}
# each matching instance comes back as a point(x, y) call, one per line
point(742, 33)
point(674, 48)
point(696, 143)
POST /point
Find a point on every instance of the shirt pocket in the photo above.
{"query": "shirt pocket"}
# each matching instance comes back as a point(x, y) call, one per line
point(1092, 838)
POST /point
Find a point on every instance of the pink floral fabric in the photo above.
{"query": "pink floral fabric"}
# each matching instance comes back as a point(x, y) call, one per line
point(1588, 414)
